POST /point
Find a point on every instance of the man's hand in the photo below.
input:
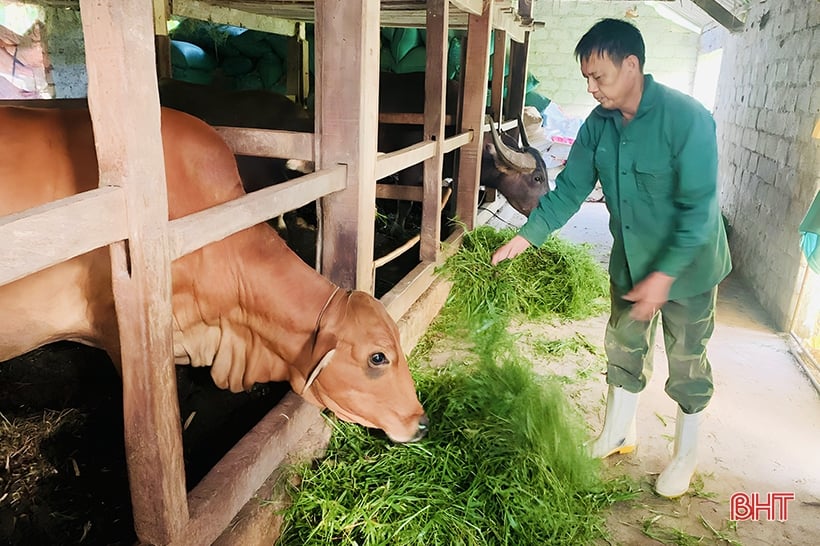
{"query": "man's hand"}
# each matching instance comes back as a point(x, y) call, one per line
point(649, 295)
point(513, 248)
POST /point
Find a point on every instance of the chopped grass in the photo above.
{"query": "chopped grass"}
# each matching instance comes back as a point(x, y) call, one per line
point(504, 462)
point(558, 279)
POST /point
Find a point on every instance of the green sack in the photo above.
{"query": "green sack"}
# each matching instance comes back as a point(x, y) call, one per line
point(188, 55)
point(236, 66)
point(192, 75)
point(404, 39)
point(414, 61)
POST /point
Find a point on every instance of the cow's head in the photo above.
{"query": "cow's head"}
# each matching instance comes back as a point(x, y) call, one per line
point(520, 173)
point(358, 369)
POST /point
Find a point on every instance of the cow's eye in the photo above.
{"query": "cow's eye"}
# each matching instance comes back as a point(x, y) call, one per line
point(378, 359)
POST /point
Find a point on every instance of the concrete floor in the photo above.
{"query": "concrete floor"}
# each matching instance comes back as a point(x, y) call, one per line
point(760, 434)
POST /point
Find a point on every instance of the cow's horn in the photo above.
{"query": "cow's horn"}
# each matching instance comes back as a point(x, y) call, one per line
point(520, 161)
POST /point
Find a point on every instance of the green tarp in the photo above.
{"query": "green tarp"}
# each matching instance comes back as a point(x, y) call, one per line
point(810, 235)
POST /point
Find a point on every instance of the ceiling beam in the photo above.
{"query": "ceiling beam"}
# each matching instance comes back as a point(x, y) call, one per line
point(720, 14)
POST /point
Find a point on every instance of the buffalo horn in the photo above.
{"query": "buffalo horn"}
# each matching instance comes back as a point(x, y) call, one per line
point(520, 161)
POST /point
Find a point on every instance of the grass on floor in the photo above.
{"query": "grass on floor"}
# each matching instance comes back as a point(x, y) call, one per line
point(504, 461)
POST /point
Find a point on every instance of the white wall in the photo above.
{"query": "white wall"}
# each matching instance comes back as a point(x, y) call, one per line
point(768, 102)
point(671, 50)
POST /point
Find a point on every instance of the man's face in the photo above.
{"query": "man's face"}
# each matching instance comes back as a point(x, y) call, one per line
point(611, 85)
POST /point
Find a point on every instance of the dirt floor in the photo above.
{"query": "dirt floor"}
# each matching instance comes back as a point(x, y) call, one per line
point(760, 434)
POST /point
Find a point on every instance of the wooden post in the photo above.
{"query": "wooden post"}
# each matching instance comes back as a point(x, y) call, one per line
point(163, 42)
point(298, 70)
point(497, 91)
point(435, 91)
point(518, 78)
point(474, 84)
point(347, 89)
point(124, 104)
point(499, 58)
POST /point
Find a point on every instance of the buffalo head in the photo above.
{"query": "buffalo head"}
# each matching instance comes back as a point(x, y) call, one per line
point(519, 173)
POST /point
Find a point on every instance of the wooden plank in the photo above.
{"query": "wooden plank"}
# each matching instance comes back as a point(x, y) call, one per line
point(397, 191)
point(43, 236)
point(268, 142)
point(505, 19)
point(409, 119)
point(435, 92)
point(209, 11)
point(457, 141)
point(197, 230)
point(393, 162)
point(347, 81)
point(468, 6)
point(124, 105)
point(233, 480)
point(474, 83)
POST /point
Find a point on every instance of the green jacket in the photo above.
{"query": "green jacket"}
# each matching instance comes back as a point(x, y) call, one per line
point(659, 177)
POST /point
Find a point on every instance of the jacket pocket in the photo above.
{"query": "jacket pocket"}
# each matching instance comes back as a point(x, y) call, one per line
point(655, 178)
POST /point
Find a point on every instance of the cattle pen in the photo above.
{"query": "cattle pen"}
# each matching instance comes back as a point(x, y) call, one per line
point(126, 48)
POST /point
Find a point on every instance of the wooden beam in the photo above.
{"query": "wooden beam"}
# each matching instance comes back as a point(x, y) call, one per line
point(409, 119)
point(227, 487)
point(393, 162)
point(197, 230)
point(400, 192)
point(457, 141)
point(505, 19)
point(347, 88)
point(435, 92)
point(474, 83)
point(721, 14)
point(207, 11)
point(268, 142)
point(124, 106)
point(40, 237)
point(468, 6)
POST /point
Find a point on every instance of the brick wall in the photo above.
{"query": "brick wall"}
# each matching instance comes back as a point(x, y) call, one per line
point(671, 51)
point(768, 101)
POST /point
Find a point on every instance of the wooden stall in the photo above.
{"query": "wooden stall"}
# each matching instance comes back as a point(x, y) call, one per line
point(128, 212)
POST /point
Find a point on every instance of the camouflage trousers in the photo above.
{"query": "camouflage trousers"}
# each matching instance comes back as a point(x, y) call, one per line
point(687, 326)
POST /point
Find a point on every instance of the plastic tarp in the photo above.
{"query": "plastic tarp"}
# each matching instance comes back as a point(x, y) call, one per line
point(810, 235)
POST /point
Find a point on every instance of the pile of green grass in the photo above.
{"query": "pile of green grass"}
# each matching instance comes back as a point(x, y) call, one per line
point(504, 462)
point(558, 279)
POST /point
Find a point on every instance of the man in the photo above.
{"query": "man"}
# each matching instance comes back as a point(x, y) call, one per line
point(655, 152)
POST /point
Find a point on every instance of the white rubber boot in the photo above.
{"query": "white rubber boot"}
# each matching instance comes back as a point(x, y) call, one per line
point(620, 433)
point(674, 480)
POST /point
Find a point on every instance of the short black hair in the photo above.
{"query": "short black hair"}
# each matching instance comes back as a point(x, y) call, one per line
point(617, 38)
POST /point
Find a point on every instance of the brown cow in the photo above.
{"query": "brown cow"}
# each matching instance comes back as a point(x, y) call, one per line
point(246, 306)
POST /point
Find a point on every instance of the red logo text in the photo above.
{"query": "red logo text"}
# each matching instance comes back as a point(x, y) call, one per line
point(745, 506)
